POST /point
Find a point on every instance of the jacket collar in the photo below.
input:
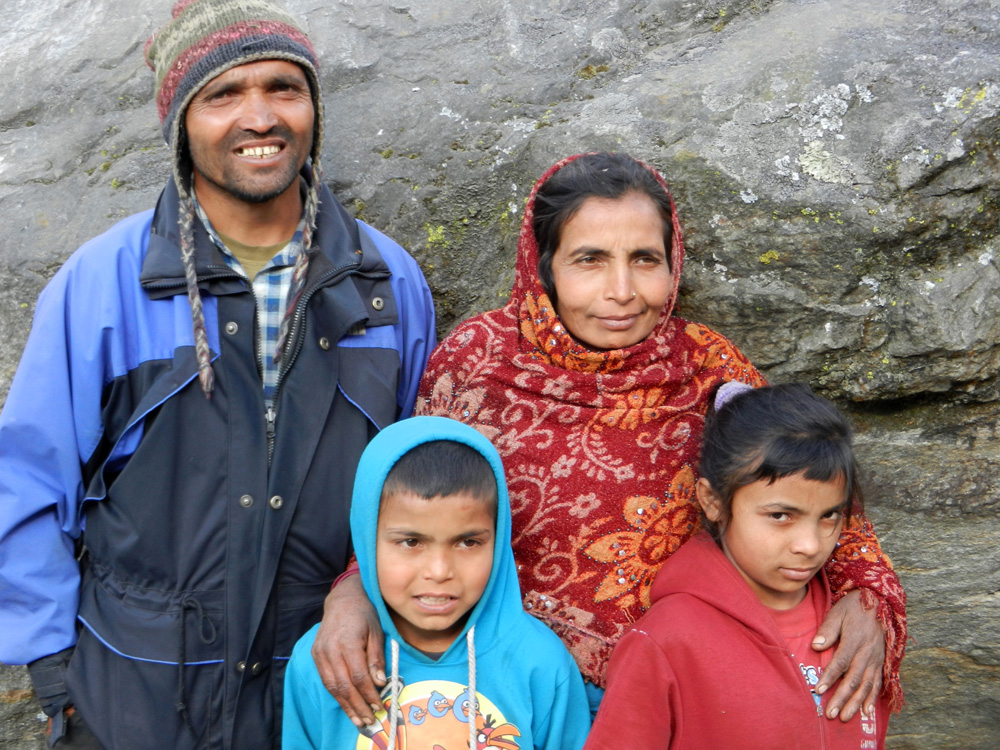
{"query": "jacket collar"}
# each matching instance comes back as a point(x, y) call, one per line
point(337, 244)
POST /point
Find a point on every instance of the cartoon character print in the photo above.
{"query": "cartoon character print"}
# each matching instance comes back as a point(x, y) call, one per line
point(434, 715)
point(812, 675)
point(869, 730)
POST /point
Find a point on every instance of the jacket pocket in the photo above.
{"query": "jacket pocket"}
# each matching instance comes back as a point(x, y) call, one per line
point(369, 379)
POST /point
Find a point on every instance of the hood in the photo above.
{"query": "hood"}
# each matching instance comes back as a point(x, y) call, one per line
point(701, 569)
point(531, 303)
point(502, 591)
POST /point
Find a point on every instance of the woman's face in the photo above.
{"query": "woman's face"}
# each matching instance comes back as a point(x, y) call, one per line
point(610, 271)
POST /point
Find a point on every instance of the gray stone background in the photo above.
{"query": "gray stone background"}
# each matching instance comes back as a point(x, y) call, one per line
point(835, 163)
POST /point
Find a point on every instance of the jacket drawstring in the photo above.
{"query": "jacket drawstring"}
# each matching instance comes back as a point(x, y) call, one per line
point(207, 637)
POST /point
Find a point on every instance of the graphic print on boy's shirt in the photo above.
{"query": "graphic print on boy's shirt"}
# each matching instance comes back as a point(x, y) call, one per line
point(434, 716)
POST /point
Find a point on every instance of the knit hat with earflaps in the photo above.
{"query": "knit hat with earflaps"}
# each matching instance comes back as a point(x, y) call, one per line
point(204, 39)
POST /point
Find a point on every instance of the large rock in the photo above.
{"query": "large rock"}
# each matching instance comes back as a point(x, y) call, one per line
point(834, 161)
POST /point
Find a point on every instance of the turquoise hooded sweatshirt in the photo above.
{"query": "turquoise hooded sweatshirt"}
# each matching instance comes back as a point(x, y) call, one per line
point(529, 693)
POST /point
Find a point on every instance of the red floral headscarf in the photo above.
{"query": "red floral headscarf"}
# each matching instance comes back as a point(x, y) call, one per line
point(600, 447)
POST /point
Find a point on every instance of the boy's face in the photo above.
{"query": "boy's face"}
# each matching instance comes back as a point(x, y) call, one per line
point(780, 534)
point(434, 559)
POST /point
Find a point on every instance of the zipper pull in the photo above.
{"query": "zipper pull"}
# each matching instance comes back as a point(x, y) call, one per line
point(269, 418)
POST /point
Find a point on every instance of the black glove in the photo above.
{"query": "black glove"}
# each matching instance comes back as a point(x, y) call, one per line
point(48, 675)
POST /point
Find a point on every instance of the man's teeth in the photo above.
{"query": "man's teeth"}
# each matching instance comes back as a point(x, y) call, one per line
point(260, 151)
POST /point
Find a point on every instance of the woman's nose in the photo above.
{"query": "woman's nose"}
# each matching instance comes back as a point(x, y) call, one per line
point(618, 284)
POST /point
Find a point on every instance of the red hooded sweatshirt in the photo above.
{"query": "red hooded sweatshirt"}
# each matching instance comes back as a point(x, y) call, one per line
point(707, 669)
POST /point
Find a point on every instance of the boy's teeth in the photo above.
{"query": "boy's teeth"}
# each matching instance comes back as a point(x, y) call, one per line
point(260, 151)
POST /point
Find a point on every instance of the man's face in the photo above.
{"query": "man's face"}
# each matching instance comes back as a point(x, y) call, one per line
point(250, 130)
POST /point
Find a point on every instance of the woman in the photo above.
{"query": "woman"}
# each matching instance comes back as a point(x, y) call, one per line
point(594, 394)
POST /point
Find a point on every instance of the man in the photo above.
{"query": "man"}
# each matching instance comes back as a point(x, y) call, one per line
point(179, 444)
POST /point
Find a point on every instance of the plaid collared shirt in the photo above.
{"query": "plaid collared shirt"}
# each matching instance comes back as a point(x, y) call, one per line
point(270, 289)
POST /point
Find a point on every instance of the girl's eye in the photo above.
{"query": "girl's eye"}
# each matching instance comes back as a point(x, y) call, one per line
point(470, 543)
point(833, 515)
point(779, 516)
point(407, 543)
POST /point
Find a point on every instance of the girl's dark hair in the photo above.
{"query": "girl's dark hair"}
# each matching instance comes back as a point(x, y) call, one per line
point(775, 432)
point(442, 467)
point(600, 175)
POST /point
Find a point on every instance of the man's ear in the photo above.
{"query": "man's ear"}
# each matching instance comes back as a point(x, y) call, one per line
point(709, 500)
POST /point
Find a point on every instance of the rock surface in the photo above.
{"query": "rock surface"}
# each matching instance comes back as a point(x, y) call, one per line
point(836, 167)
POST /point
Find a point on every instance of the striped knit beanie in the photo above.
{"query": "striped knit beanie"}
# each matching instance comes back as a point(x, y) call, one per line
point(204, 39)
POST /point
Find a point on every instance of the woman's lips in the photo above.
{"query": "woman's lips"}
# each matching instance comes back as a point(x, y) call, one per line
point(618, 323)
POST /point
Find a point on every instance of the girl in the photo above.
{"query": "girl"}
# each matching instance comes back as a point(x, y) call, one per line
point(724, 656)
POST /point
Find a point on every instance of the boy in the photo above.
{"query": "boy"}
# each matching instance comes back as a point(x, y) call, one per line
point(430, 522)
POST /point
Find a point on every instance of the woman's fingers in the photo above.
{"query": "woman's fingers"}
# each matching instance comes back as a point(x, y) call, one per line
point(857, 660)
point(348, 651)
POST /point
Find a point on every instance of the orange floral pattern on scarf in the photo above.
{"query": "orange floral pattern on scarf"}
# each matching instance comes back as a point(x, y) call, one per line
point(600, 450)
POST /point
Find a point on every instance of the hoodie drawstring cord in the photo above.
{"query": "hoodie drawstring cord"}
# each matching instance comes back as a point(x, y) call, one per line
point(470, 636)
point(395, 685)
point(394, 695)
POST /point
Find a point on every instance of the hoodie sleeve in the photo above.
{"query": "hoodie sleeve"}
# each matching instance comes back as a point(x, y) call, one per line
point(639, 707)
point(565, 725)
point(302, 720)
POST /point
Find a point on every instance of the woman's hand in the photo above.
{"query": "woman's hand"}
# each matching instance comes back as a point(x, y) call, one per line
point(348, 651)
point(858, 658)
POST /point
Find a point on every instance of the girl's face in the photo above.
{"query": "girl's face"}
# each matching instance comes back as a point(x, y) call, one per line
point(610, 271)
point(780, 533)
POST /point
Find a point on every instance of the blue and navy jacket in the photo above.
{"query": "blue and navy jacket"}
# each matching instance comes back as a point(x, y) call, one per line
point(211, 534)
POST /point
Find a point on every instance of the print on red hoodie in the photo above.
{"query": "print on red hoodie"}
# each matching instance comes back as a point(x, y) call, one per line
point(708, 667)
